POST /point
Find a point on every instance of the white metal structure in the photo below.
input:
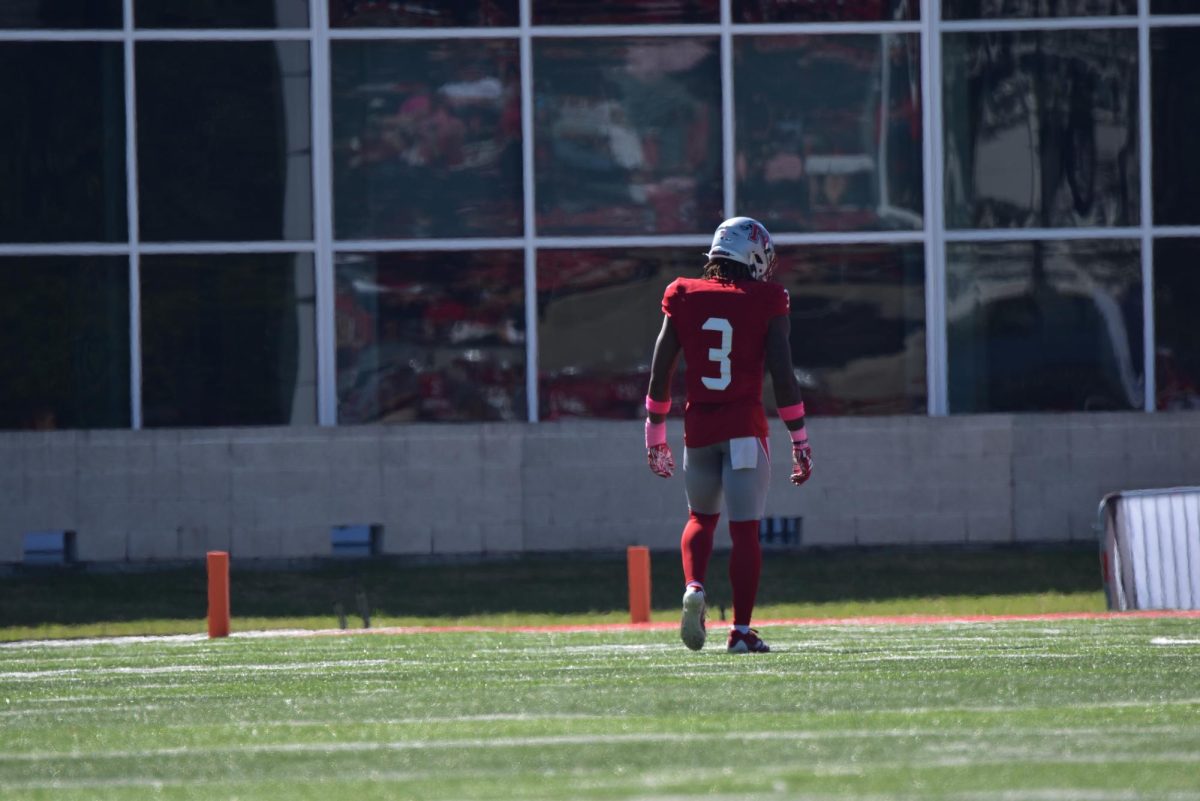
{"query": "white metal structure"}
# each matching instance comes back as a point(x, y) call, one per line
point(1151, 548)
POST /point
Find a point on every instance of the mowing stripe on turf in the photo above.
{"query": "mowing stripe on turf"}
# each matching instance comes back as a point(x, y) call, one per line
point(570, 740)
point(661, 625)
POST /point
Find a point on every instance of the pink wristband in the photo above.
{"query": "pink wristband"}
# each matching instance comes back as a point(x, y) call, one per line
point(799, 435)
point(656, 434)
point(657, 407)
point(793, 412)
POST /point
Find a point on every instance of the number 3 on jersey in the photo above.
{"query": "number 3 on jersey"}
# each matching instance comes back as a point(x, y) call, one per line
point(720, 355)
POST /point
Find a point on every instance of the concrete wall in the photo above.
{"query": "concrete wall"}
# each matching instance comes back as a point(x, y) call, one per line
point(474, 489)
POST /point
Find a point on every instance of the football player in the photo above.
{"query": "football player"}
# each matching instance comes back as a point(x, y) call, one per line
point(727, 324)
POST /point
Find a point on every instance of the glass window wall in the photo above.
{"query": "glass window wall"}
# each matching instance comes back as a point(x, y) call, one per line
point(426, 139)
point(758, 11)
point(62, 143)
point(228, 340)
point(857, 327)
point(405, 171)
point(857, 322)
point(1176, 334)
point(628, 135)
point(1044, 326)
point(1175, 118)
point(1008, 9)
point(423, 14)
point(224, 141)
point(68, 14)
point(64, 342)
point(1041, 129)
point(829, 131)
point(630, 12)
point(599, 312)
point(214, 14)
point(430, 336)
point(1174, 7)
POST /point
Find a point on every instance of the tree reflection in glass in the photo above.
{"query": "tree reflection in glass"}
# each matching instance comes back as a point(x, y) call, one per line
point(1009, 9)
point(1041, 129)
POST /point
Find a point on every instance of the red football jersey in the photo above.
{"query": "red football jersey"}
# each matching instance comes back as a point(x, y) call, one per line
point(722, 330)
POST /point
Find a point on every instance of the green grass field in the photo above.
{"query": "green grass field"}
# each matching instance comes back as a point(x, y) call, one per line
point(573, 588)
point(1074, 710)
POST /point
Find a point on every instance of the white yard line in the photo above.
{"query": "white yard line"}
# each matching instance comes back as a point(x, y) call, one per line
point(65, 673)
point(165, 639)
point(1032, 755)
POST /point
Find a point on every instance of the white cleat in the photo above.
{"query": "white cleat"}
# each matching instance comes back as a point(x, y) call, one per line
point(691, 626)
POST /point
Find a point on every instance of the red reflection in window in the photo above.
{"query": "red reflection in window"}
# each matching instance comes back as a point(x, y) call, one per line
point(426, 14)
point(430, 337)
point(598, 314)
point(589, 12)
point(824, 10)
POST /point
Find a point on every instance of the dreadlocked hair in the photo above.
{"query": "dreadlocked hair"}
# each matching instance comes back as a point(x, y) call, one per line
point(727, 270)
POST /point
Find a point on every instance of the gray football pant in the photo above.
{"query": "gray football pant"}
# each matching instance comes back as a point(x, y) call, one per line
point(708, 475)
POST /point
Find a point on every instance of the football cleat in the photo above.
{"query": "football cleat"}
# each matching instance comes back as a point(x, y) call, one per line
point(748, 643)
point(691, 626)
point(745, 240)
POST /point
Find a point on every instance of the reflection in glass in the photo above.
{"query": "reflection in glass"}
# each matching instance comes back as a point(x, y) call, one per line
point(65, 342)
point(1174, 120)
point(858, 327)
point(1007, 9)
point(1174, 7)
point(1041, 129)
point(61, 14)
point(224, 141)
point(62, 143)
point(599, 312)
point(221, 14)
point(427, 139)
point(589, 12)
point(1044, 326)
point(1176, 334)
point(228, 340)
point(430, 336)
point(825, 10)
point(423, 14)
point(829, 131)
point(628, 135)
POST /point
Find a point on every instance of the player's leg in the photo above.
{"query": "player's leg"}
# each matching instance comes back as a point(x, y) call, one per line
point(746, 495)
point(702, 476)
point(697, 546)
point(702, 469)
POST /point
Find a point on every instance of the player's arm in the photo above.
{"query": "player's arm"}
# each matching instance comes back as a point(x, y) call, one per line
point(787, 395)
point(658, 399)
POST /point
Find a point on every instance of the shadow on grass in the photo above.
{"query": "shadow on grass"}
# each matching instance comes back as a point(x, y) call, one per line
point(559, 584)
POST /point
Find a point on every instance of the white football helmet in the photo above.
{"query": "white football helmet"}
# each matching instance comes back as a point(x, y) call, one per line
point(744, 240)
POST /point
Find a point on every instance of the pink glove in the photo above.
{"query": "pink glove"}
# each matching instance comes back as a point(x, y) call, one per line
point(658, 453)
point(802, 462)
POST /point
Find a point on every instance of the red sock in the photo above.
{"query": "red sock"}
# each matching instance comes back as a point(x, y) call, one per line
point(745, 566)
point(697, 546)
